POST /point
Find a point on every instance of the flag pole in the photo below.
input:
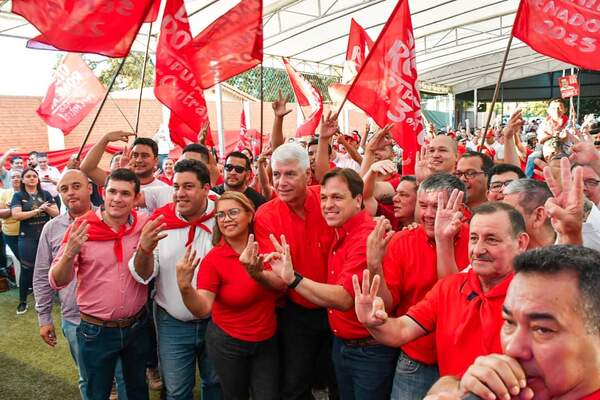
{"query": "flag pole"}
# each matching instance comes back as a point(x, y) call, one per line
point(139, 104)
point(261, 107)
point(496, 90)
point(112, 82)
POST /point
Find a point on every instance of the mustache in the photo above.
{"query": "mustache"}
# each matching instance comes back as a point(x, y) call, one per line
point(483, 257)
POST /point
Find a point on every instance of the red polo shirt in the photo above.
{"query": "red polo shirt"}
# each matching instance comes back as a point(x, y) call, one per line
point(465, 321)
point(243, 308)
point(348, 256)
point(309, 237)
point(410, 272)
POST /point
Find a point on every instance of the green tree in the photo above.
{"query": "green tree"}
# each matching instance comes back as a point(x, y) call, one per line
point(130, 75)
point(535, 109)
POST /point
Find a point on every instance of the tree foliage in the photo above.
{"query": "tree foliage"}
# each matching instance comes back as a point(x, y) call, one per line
point(130, 75)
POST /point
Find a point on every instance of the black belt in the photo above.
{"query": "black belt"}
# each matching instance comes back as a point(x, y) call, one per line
point(362, 342)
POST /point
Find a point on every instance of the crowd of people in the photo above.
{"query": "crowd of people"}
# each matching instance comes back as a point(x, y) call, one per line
point(317, 269)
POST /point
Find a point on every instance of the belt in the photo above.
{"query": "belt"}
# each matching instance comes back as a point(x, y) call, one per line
point(362, 342)
point(120, 323)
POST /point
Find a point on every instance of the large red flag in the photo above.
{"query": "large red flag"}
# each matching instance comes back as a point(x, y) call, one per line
point(566, 30)
point(229, 46)
point(356, 53)
point(175, 85)
point(153, 13)
point(72, 94)
point(385, 87)
point(306, 95)
point(245, 141)
point(106, 27)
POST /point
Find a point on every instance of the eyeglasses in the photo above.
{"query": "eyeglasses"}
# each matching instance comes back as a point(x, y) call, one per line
point(591, 183)
point(238, 168)
point(497, 187)
point(470, 174)
point(232, 213)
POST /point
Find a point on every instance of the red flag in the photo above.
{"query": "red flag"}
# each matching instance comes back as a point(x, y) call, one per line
point(385, 87)
point(106, 27)
point(72, 94)
point(182, 135)
point(566, 30)
point(175, 85)
point(306, 95)
point(229, 46)
point(244, 141)
point(153, 13)
point(358, 42)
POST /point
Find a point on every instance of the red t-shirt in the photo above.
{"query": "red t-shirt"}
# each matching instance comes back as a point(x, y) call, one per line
point(242, 308)
point(592, 396)
point(465, 321)
point(309, 238)
point(411, 261)
point(348, 256)
point(166, 180)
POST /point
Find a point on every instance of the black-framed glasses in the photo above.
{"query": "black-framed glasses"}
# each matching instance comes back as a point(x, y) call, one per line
point(591, 183)
point(232, 213)
point(470, 174)
point(497, 187)
point(238, 168)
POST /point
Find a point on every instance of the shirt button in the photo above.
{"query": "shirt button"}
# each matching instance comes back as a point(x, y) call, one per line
point(334, 253)
point(330, 311)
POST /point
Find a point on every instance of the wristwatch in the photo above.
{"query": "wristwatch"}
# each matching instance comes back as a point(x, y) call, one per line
point(296, 281)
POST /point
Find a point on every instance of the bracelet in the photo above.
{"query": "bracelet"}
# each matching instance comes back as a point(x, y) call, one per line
point(144, 251)
point(296, 281)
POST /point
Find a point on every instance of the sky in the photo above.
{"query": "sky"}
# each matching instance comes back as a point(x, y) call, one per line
point(24, 71)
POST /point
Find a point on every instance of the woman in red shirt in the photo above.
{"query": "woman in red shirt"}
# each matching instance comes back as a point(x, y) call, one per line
point(240, 339)
point(167, 171)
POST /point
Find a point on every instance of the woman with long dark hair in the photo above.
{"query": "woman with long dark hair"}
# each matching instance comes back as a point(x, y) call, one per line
point(33, 207)
point(240, 339)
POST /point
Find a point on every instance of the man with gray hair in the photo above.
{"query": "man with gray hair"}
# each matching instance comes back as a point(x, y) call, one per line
point(529, 196)
point(419, 258)
point(304, 332)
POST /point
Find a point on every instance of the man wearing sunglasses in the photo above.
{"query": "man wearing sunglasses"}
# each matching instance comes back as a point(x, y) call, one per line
point(237, 175)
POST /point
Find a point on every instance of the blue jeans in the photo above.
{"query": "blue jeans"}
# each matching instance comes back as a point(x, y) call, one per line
point(181, 345)
point(413, 379)
point(530, 166)
point(69, 329)
point(100, 348)
point(364, 373)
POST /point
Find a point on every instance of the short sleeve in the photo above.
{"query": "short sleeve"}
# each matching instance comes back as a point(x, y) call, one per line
point(425, 312)
point(208, 275)
point(16, 200)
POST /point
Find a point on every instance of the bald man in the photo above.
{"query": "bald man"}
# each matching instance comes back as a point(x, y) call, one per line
point(441, 155)
point(75, 190)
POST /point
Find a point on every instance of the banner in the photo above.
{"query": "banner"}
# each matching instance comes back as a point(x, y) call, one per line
point(244, 141)
point(568, 85)
point(106, 27)
point(73, 93)
point(229, 46)
point(60, 158)
point(175, 85)
point(385, 87)
point(306, 95)
point(153, 13)
point(565, 30)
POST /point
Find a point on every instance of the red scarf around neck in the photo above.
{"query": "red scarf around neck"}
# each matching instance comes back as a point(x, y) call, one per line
point(98, 230)
point(481, 310)
point(172, 221)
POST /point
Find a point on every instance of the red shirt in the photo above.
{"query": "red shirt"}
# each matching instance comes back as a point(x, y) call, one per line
point(243, 308)
point(166, 180)
point(410, 272)
point(387, 209)
point(313, 179)
point(348, 256)
point(592, 396)
point(465, 321)
point(309, 237)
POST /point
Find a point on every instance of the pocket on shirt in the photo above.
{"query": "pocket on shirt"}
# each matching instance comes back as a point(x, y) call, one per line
point(88, 331)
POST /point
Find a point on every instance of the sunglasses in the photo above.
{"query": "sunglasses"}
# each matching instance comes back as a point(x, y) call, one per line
point(238, 168)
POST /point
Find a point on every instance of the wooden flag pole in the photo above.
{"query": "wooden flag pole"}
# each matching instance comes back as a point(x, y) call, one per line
point(139, 104)
point(496, 90)
point(261, 107)
point(112, 82)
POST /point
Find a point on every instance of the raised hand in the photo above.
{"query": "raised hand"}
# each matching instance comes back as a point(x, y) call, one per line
point(380, 138)
point(281, 260)
point(118, 136)
point(329, 126)
point(186, 267)
point(384, 168)
point(370, 309)
point(514, 126)
point(279, 106)
point(77, 237)
point(377, 244)
point(448, 217)
point(422, 170)
point(251, 260)
point(566, 207)
point(203, 132)
point(125, 160)
point(151, 234)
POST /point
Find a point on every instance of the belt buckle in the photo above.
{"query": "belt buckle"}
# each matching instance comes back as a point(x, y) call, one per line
point(123, 322)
